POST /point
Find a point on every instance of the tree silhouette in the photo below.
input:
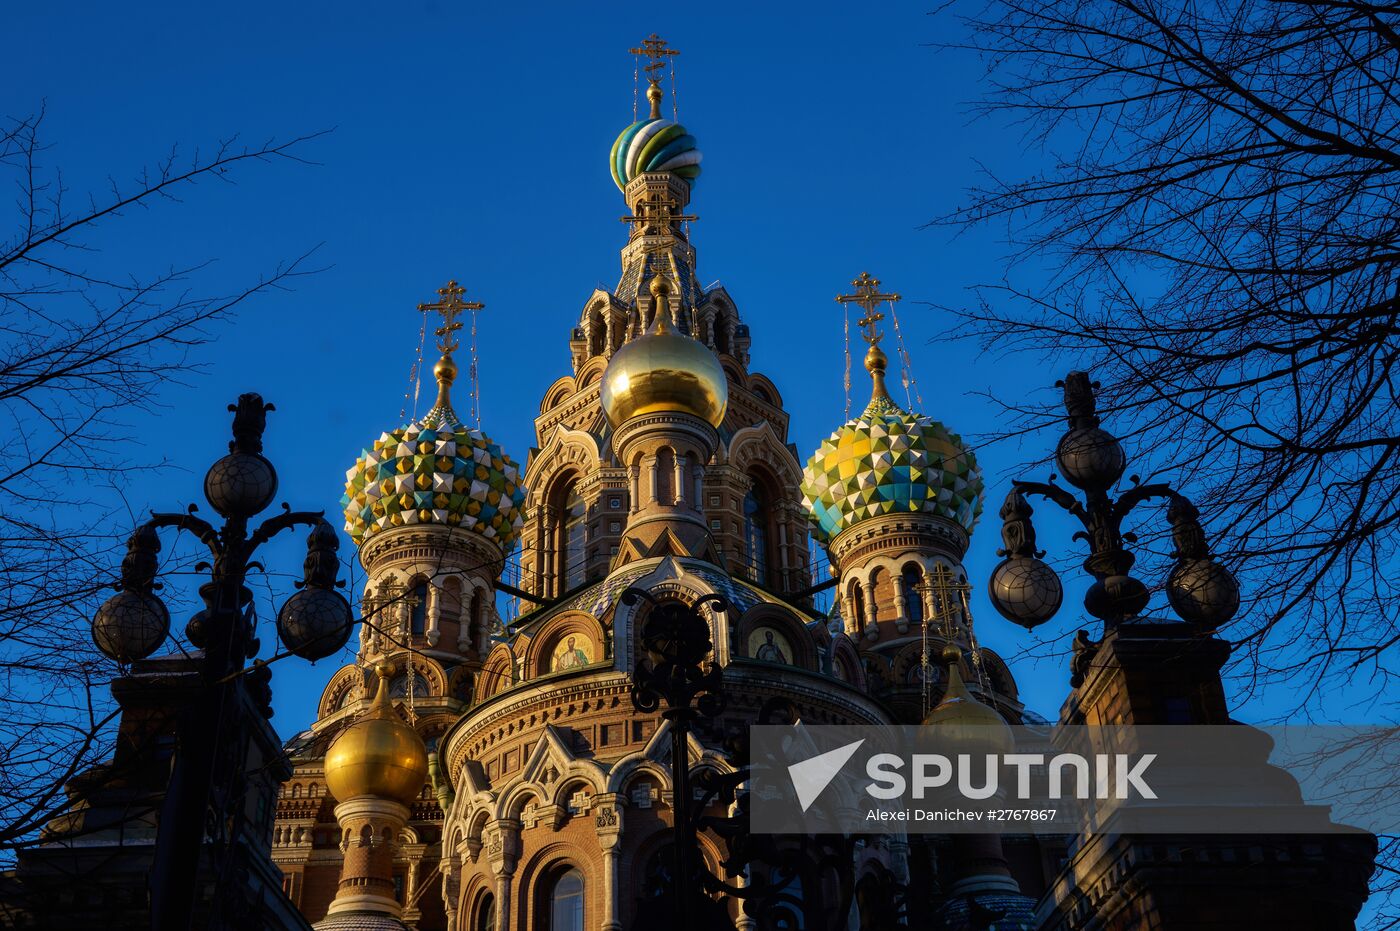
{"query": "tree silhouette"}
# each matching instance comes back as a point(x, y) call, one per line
point(79, 353)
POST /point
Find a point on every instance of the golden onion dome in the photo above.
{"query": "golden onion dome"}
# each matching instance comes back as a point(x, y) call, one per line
point(379, 755)
point(664, 371)
point(962, 724)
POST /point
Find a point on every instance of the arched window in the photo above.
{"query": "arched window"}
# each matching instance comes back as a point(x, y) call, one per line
point(572, 529)
point(666, 476)
point(722, 332)
point(418, 607)
point(858, 603)
point(485, 917)
point(450, 601)
point(756, 519)
point(909, 581)
point(566, 903)
point(597, 334)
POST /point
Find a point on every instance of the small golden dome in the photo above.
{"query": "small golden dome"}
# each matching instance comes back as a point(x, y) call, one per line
point(664, 371)
point(379, 755)
point(962, 724)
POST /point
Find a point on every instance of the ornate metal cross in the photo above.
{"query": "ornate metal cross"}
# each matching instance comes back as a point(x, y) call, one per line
point(868, 297)
point(655, 48)
point(449, 305)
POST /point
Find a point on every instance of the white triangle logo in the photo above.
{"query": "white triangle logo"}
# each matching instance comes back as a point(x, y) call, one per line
point(811, 776)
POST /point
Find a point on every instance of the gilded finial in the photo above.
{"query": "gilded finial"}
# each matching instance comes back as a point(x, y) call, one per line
point(661, 306)
point(449, 305)
point(383, 672)
point(654, 47)
point(868, 297)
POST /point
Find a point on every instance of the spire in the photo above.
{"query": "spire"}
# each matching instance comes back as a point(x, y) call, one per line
point(868, 297)
point(654, 48)
point(449, 305)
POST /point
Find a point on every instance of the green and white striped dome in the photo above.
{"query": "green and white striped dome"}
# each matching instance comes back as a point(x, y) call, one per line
point(654, 145)
point(889, 461)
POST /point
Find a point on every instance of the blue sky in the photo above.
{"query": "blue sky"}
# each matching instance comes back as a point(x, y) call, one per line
point(470, 142)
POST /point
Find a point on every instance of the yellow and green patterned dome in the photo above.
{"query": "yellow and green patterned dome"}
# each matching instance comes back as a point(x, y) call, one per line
point(435, 471)
point(889, 461)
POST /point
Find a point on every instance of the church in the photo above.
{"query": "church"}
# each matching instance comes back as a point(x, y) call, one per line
point(482, 769)
point(540, 798)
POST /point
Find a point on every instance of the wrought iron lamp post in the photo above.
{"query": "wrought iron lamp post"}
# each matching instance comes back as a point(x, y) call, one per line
point(786, 881)
point(677, 641)
point(1027, 591)
point(314, 623)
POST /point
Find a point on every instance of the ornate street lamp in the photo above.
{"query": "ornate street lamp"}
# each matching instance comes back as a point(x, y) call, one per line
point(783, 881)
point(1027, 591)
point(131, 625)
point(676, 639)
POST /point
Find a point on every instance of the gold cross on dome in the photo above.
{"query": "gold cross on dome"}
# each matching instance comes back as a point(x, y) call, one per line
point(868, 297)
point(654, 47)
point(449, 305)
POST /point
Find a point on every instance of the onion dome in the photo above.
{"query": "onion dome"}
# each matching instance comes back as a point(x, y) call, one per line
point(654, 144)
point(379, 755)
point(890, 461)
point(962, 724)
point(436, 470)
point(664, 370)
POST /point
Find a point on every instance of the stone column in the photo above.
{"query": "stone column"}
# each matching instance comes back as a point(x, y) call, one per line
point(503, 883)
point(634, 475)
point(466, 614)
point(434, 613)
point(680, 482)
point(872, 628)
point(899, 860)
point(366, 632)
point(548, 559)
point(451, 888)
point(405, 612)
point(607, 819)
point(743, 922)
point(901, 608)
point(784, 564)
point(697, 474)
point(849, 616)
point(504, 851)
point(930, 611)
point(651, 488)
